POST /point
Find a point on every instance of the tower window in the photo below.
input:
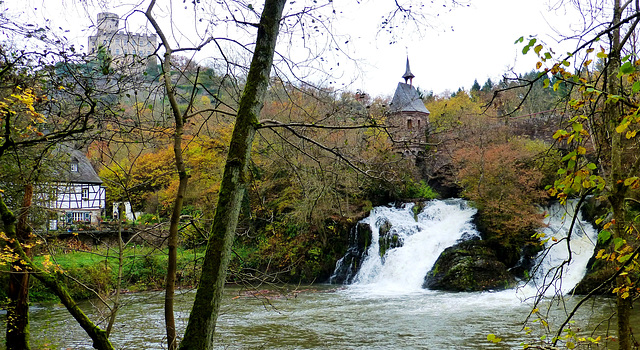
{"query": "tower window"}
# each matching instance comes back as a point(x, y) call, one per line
point(409, 124)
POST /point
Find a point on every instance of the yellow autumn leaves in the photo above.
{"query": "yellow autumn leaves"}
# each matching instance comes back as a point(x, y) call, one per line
point(22, 104)
point(9, 256)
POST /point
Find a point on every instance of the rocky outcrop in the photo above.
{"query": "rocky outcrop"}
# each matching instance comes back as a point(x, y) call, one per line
point(347, 267)
point(388, 240)
point(469, 266)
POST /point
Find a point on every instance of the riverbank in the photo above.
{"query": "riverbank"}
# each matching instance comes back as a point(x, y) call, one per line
point(95, 272)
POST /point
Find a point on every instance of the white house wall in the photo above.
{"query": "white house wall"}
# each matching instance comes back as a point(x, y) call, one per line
point(70, 196)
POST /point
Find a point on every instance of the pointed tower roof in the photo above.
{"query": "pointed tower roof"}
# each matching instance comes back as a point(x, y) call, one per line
point(408, 76)
point(407, 99)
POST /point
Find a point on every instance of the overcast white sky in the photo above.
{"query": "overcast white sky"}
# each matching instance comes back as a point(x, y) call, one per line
point(466, 43)
point(475, 42)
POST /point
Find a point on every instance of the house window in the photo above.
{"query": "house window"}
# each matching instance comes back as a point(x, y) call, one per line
point(85, 193)
point(74, 166)
point(409, 124)
point(79, 216)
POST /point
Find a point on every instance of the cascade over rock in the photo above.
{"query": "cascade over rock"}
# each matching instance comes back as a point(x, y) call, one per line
point(349, 264)
point(404, 243)
point(408, 248)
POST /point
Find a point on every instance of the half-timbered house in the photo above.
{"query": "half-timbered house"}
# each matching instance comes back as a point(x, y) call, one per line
point(76, 195)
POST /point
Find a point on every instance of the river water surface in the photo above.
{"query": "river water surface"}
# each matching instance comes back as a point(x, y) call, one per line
point(323, 317)
point(385, 307)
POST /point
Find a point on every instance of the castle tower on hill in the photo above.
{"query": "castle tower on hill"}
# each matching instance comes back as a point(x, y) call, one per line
point(124, 48)
point(408, 117)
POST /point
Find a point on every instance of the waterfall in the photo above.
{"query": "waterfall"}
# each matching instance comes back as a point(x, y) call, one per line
point(553, 262)
point(404, 245)
point(415, 240)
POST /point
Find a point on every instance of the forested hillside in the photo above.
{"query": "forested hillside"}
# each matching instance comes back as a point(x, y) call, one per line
point(235, 163)
point(322, 159)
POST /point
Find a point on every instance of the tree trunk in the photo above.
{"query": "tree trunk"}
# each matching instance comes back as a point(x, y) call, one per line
point(172, 264)
point(116, 301)
point(17, 335)
point(172, 261)
point(50, 280)
point(204, 314)
point(613, 116)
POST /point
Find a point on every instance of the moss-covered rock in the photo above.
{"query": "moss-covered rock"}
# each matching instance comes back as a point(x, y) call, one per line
point(594, 280)
point(527, 261)
point(469, 266)
point(348, 266)
point(388, 240)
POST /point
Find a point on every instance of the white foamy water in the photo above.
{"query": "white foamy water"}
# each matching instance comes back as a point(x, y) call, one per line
point(402, 270)
point(441, 224)
point(563, 263)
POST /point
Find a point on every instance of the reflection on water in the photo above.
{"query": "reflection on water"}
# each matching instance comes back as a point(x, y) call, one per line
point(346, 318)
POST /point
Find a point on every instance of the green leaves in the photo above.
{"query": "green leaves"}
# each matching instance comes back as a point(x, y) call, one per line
point(629, 181)
point(527, 47)
point(577, 127)
point(627, 68)
point(618, 243)
point(604, 236)
point(560, 133)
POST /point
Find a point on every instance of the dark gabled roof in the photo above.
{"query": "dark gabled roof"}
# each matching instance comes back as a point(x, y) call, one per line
point(66, 156)
point(406, 99)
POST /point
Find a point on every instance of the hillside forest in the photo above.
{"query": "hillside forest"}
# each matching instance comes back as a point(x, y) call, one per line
point(160, 134)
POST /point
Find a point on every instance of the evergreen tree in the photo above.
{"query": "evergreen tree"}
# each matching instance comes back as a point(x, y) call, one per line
point(476, 86)
point(488, 86)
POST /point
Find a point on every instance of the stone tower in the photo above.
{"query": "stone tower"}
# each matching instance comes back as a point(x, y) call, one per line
point(132, 50)
point(107, 23)
point(408, 117)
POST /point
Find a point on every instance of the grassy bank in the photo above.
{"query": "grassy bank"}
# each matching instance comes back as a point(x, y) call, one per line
point(88, 273)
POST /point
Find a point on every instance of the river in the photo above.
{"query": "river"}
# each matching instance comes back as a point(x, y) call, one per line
point(383, 308)
point(323, 317)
